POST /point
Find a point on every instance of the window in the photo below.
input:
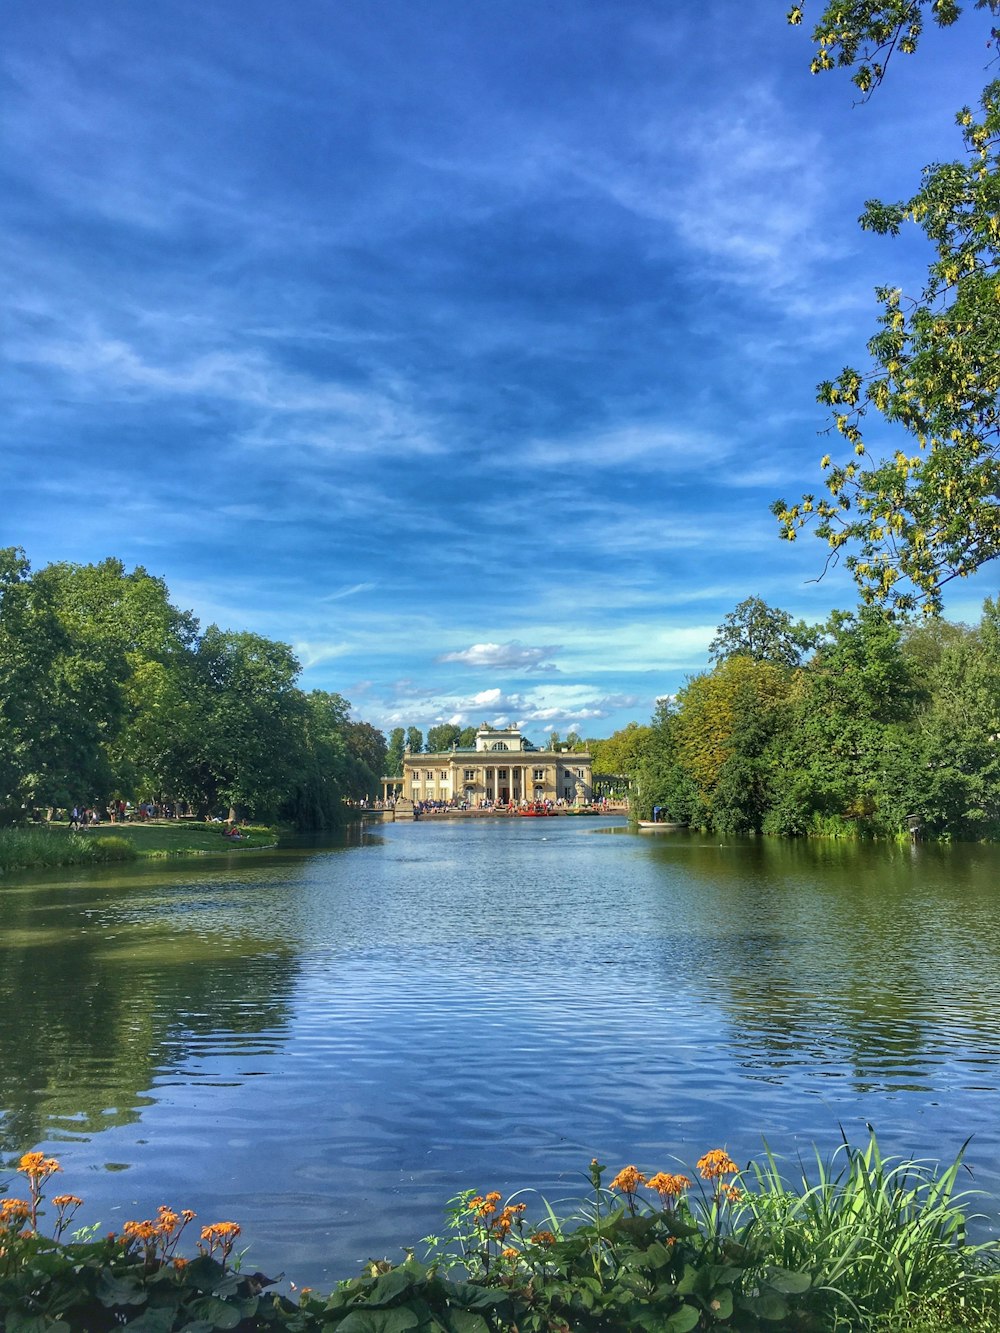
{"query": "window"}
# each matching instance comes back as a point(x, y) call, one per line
point(499, 745)
point(539, 774)
point(444, 777)
point(470, 775)
point(501, 772)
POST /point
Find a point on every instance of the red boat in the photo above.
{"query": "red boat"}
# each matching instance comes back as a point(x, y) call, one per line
point(537, 811)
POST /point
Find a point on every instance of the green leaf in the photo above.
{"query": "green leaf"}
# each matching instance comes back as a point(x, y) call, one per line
point(791, 1284)
point(125, 1289)
point(721, 1304)
point(160, 1320)
point(466, 1321)
point(682, 1320)
point(217, 1313)
point(767, 1305)
point(33, 1323)
point(390, 1286)
point(397, 1320)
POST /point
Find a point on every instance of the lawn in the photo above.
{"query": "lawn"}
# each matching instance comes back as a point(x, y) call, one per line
point(183, 837)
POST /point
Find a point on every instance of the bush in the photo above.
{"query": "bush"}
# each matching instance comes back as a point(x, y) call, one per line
point(870, 1245)
point(110, 847)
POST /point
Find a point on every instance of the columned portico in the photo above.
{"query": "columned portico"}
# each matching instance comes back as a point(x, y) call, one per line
point(504, 768)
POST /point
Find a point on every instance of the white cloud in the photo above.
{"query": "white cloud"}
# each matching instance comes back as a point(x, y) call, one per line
point(513, 656)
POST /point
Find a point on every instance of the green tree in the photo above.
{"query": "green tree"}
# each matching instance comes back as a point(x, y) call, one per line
point(442, 737)
point(62, 698)
point(658, 776)
point(725, 720)
point(467, 738)
point(251, 736)
point(128, 618)
point(415, 740)
point(845, 759)
point(394, 753)
point(763, 633)
point(367, 748)
point(912, 523)
point(957, 782)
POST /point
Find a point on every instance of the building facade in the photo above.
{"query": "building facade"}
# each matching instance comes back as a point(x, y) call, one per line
point(503, 769)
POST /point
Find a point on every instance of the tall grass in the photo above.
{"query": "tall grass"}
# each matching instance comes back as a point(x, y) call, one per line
point(24, 848)
point(878, 1234)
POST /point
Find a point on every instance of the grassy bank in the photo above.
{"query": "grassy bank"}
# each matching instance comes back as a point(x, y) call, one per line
point(57, 845)
point(866, 1246)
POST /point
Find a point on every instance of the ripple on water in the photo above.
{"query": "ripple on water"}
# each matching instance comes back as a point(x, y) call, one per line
point(329, 1045)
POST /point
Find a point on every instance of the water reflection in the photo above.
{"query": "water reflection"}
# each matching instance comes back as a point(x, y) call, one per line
point(104, 982)
point(329, 1042)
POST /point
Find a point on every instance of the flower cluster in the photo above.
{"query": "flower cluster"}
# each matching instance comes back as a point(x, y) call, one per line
point(668, 1187)
point(37, 1167)
point(496, 1220)
point(219, 1236)
point(13, 1214)
point(154, 1240)
point(715, 1164)
point(158, 1238)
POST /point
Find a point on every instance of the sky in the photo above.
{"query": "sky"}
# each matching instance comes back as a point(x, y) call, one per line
point(463, 346)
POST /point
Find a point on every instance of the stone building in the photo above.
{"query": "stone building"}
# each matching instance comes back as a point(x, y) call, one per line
point(503, 768)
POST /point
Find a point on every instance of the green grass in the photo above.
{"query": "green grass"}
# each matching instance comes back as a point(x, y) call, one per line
point(56, 844)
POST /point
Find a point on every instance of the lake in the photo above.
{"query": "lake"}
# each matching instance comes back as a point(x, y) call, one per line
point(326, 1043)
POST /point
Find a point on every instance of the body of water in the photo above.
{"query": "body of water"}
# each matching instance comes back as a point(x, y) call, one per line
point(326, 1044)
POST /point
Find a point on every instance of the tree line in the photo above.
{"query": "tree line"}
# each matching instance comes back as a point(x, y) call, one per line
point(857, 726)
point(108, 690)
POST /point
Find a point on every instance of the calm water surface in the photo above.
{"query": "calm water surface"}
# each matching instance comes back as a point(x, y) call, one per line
point(327, 1044)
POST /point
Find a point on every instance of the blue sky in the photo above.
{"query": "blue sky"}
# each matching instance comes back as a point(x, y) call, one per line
point(462, 345)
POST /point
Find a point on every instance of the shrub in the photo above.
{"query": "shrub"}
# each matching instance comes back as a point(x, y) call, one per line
point(111, 847)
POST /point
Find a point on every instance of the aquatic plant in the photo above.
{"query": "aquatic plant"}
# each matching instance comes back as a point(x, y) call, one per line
point(865, 1244)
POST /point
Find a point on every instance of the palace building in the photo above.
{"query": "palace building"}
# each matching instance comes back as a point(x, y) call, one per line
point(503, 769)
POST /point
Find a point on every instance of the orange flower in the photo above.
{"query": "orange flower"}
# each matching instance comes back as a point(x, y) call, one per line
point(485, 1207)
point(140, 1230)
point(668, 1186)
point(64, 1200)
point(543, 1238)
point(716, 1163)
point(508, 1253)
point(37, 1165)
point(14, 1211)
point(628, 1180)
point(220, 1231)
point(733, 1193)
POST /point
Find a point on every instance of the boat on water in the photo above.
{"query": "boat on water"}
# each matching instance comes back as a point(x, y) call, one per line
point(659, 826)
point(539, 810)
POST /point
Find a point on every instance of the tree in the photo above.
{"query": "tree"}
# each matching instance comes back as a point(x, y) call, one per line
point(251, 736)
point(930, 514)
point(762, 633)
point(366, 746)
point(442, 737)
point(846, 756)
point(394, 753)
point(415, 740)
point(129, 622)
point(958, 785)
point(726, 718)
point(61, 694)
